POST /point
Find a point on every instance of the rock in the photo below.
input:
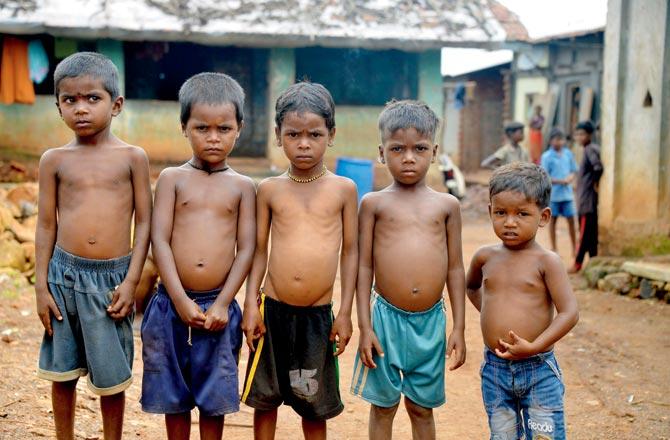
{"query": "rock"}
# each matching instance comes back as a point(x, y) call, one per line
point(6, 216)
point(617, 282)
point(646, 290)
point(12, 254)
point(22, 233)
point(593, 274)
point(9, 335)
point(634, 293)
point(12, 283)
point(24, 194)
point(601, 284)
point(29, 250)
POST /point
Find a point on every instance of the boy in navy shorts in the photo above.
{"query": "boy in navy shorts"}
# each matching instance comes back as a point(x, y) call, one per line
point(410, 245)
point(516, 285)
point(203, 232)
point(310, 214)
point(86, 274)
point(559, 162)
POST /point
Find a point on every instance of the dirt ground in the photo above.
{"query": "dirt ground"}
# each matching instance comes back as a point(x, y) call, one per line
point(615, 364)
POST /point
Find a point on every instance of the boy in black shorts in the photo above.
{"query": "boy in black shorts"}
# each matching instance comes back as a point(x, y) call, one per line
point(289, 325)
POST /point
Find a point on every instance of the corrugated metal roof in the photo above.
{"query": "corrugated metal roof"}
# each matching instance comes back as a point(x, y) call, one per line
point(401, 24)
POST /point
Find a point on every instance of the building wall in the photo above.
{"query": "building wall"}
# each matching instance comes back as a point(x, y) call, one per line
point(525, 85)
point(154, 125)
point(635, 133)
point(481, 127)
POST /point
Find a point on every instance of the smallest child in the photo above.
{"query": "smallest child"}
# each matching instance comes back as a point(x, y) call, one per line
point(512, 151)
point(559, 162)
point(516, 285)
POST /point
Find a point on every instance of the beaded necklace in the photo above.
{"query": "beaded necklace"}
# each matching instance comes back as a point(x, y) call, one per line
point(310, 179)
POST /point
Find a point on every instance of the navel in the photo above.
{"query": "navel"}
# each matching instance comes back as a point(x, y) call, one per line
point(201, 263)
point(92, 240)
point(415, 291)
point(297, 278)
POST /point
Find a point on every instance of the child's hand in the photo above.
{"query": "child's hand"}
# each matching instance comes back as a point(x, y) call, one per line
point(216, 317)
point(46, 306)
point(123, 301)
point(341, 333)
point(367, 343)
point(252, 325)
point(518, 349)
point(456, 343)
point(190, 313)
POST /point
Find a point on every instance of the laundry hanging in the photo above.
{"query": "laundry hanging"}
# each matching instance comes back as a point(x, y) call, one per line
point(38, 61)
point(15, 82)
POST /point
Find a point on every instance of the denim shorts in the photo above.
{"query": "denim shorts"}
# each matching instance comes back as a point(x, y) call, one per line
point(565, 208)
point(414, 345)
point(87, 340)
point(523, 399)
point(185, 369)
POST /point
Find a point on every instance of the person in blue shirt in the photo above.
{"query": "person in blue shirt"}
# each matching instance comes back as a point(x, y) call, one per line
point(561, 167)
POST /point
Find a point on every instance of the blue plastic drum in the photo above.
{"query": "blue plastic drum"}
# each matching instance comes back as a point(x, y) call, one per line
point(361, 171)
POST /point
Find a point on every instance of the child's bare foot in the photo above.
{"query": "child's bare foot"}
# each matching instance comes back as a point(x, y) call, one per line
point(575, 268)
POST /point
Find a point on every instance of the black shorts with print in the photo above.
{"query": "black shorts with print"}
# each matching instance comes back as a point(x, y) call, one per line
point(294, 362)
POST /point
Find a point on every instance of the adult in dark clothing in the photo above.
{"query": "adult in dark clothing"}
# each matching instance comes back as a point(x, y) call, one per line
point(588, 177)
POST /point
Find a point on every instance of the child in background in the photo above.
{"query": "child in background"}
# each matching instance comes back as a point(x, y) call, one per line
point(512, 151)
point(516, 285)
point(310, 214)
point(559, 163)
point(90, 192)
point(203, 238)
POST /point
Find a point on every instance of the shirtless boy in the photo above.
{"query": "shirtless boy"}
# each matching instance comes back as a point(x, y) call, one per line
point(203, 238)
point(410, 245)
point(311, 215)
point(86, 274)
point(516, 285)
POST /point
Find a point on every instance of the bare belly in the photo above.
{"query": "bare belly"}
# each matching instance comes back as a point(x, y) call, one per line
point(504, 313)
point(98, 234)
point(302, 275)
point(410, 276)
point(203, 254)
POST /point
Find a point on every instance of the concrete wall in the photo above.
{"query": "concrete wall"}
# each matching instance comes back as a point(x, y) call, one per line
point(154, 125)
point(635, 136)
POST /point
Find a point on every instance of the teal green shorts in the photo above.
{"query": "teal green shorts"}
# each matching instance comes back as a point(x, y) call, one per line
point(414, 345)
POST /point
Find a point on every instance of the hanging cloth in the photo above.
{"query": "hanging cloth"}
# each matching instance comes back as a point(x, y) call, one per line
point(38, 61)
point(15, 83)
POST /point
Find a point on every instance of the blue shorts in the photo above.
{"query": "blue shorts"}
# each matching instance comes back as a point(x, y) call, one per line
point(179, 375)
point(523, 399)
point(565, 208)
point(87, 340)
point(414, 345)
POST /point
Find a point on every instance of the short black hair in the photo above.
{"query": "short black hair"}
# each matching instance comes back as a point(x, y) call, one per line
point(90, 64)
point(304, 97)
point(556, 132)
point(211, 88)
point(526, 178)
point(408, 114)
point(513, 126)
point(587, 126)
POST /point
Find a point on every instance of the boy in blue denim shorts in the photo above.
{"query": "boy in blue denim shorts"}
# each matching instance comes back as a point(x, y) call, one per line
point(410, 245)
point(516, 285)
point(202, 236)
point(86, 274)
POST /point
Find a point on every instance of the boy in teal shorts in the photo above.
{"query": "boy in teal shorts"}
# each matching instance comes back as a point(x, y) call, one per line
point(410, 245)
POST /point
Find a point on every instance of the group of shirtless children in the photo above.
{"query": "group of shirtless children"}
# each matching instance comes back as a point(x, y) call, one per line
point(211, 229)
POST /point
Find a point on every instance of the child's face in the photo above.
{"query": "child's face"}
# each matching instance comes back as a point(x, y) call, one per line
point(517, 136)
point(515, 218)
point(212, 131)
point(557, 142)
point(304, 138)
point(582, 137)
point(85, 106)
point(408, 155)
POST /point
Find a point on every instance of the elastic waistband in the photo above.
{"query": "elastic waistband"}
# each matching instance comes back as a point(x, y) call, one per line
point(202, 295)
point(376, 296)
point(273, 303)
point(491, 356)
point(63, 257)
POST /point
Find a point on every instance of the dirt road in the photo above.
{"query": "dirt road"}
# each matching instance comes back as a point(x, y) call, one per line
point(615, 364)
